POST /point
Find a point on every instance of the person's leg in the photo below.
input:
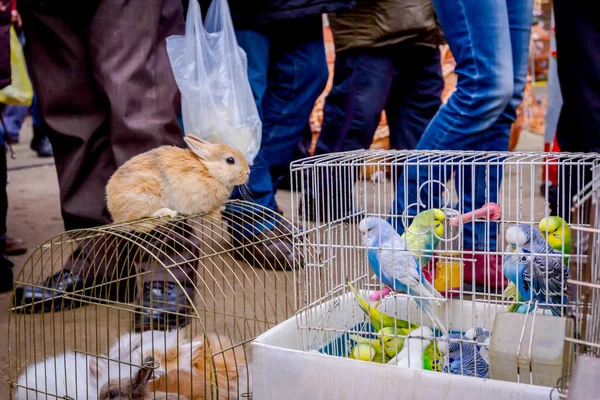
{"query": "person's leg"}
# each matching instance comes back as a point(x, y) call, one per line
point(297, 75)
point(259, 188)
point(480, 184)
point(285, 93)
point(361, 86)
point(362, 81)
point(6, 273)
point(479, 38)
point(39, 142)
point(78, 130)
point(14, 116)
point(416, 95)
point(77, 124)
point(578, 130)
point(134, 72)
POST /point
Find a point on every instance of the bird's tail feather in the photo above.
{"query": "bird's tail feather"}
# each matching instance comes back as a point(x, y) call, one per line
point(427, 307)
point(433, 290)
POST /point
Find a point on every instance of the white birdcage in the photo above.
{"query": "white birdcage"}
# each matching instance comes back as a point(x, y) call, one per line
point(90, 336)
point(525, 355)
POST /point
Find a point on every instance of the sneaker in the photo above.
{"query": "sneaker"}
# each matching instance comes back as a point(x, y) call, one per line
point(41, 145)
point(270, 249)
point(14, 246)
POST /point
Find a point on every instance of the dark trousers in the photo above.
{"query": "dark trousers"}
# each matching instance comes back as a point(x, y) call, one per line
point(106, 92)
point(287, 74)
point(3, 199)
point(578, 61)
point(405, 81)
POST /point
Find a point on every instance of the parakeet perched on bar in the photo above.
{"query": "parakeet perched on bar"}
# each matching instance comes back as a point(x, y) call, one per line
point(421, 238)
point(537, 270)
point(558, 234)
point(378, 319)
point(424, 233)
point(397, 267)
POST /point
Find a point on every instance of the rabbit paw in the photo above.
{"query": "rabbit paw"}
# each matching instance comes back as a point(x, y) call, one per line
point(164, 212)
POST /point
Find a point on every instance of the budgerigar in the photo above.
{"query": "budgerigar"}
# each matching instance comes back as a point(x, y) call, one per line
point(558, 234)
point(424, 233)
point(367, 350)
point(378, 319)
point(432, 357)
point(421, 238)
point(411, 355)
point(393, 340)
point(536, 268)
point(397, 267)
point(467, 359)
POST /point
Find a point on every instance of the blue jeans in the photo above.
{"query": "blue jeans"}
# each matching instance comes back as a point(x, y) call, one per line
point(490, 43)
point(368, 81)
point(286, 76)
point(13, 116)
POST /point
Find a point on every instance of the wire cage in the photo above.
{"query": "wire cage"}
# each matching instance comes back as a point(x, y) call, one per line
point(111, 337)
point(499, 287)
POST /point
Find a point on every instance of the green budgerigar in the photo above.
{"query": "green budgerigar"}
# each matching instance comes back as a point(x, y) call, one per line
point(421, 238)
point(378, 319)
point(558, 234)
point(367, 350)
point(424, 233)
point(393, 340)
point(432, 357)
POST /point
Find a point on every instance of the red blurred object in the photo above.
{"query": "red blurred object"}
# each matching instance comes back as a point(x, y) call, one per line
point(552, 169)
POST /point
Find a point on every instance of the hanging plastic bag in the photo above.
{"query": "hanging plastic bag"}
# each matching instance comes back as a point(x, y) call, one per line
point(20, 91)
point(212, 75)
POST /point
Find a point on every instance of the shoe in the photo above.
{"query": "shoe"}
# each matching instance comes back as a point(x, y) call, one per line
point(166, 306)
point(41, 145)
point(38, 299)
point(488, 277)
point(6, 275)
point(331, 202)
point(14, 246)
point(269, 249)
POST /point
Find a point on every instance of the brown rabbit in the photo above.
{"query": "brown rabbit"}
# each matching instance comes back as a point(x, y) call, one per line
point(135, 389)
point(196, 368)
point(170, 180)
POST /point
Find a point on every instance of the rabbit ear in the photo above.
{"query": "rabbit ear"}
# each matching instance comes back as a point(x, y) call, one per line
point(98, 367)
point(142, 377)
point(198, 146)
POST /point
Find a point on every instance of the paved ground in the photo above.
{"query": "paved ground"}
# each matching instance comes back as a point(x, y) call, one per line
point(34, 213)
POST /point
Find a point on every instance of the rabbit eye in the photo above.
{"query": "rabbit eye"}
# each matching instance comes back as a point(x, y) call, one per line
point(230, 161)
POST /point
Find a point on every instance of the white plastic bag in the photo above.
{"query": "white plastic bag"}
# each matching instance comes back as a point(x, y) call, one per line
point(212, 75)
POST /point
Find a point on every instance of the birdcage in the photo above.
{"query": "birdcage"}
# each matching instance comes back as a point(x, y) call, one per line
point(115, 335)
point(452, 226)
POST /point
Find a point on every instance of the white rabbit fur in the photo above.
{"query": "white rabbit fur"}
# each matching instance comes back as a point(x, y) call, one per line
point(80, 376)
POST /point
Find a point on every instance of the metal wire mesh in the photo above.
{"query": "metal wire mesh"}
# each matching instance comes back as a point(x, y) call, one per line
point(335, 192)
point(97, 339)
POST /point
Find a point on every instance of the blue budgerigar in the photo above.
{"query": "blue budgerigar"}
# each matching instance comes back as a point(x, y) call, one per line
point(469, 359)
point(397, 267)
point(537, 270)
